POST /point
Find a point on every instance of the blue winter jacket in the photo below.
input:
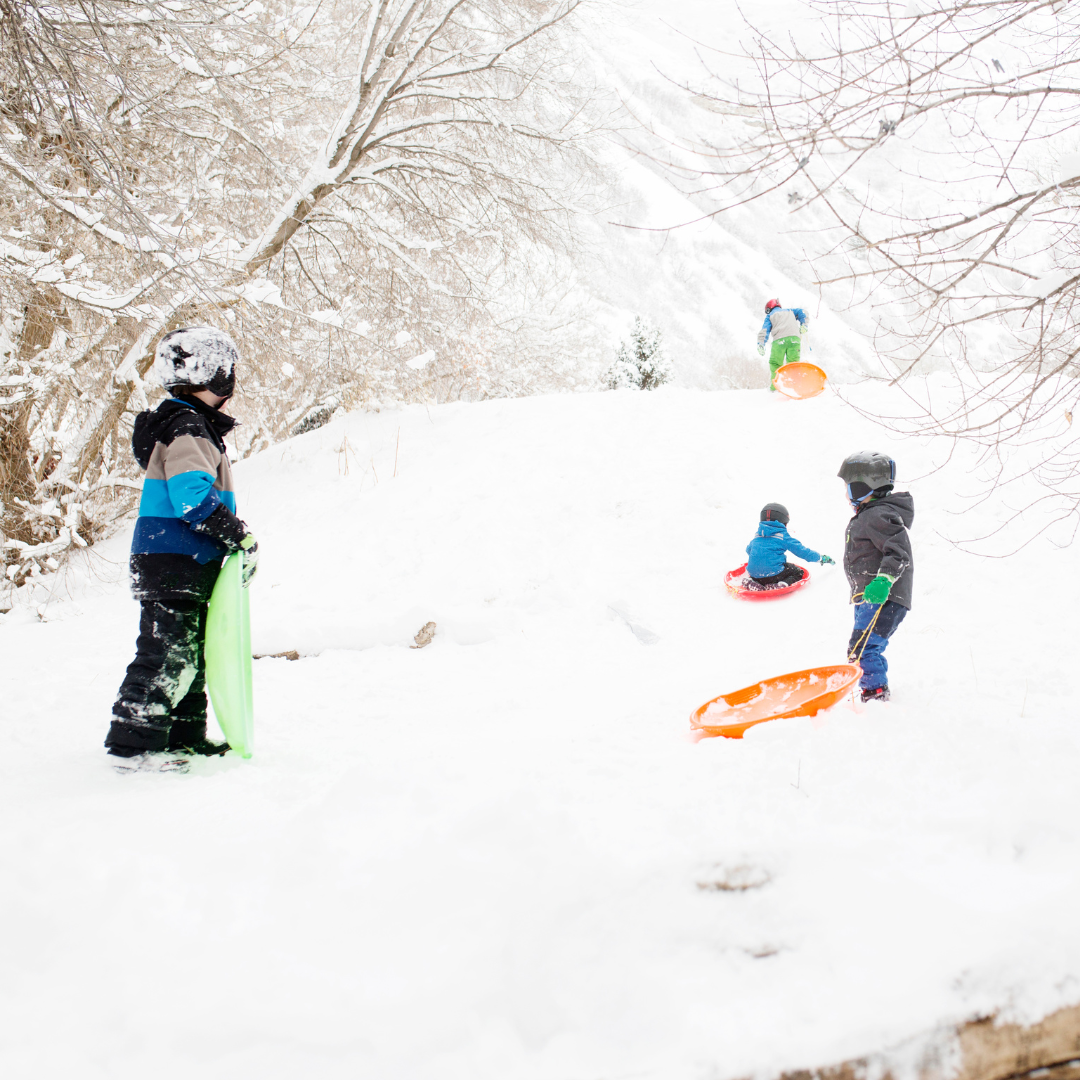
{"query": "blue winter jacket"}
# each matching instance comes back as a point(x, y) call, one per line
point(767, 550)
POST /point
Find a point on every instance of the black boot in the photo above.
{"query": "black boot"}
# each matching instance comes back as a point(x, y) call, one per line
point(205, 748)
point(189, 737)
point(879, 693)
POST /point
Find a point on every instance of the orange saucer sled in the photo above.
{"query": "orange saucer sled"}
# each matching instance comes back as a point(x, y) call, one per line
point(801, 693)
point(737, 583)
point(800, 380)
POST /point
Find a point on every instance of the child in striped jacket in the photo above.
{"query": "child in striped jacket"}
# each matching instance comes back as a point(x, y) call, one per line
point(187, 525)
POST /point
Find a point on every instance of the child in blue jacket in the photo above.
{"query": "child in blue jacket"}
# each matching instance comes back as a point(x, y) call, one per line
point(767, 564)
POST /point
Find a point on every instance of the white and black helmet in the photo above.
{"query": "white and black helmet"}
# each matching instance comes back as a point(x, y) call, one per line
point(198, 357)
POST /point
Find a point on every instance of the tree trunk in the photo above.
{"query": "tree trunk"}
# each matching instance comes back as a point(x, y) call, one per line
point(17, 480)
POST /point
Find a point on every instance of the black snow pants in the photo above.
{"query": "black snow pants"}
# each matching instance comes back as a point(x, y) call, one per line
point(161, 704)
point(788, 576)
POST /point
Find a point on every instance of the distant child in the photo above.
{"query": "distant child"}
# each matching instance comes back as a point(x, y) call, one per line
point(878, 563)
point(767, 565)
point(787, 325)
point(187, 525)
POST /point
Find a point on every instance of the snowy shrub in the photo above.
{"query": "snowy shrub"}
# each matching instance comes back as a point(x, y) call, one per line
point(640, 363)
point(316, 417)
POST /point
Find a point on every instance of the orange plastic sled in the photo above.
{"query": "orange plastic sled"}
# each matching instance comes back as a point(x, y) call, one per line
point(801, 693)
point(737, 585)
point(800, 380)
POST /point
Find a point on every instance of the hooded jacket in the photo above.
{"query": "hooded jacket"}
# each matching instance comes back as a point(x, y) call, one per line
point(767, 550)
point(877, 542)
point(782, 323)
point(187, 521)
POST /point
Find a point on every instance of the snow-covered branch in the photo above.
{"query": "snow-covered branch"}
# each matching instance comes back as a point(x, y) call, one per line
point(932, 159)
point(330, 182)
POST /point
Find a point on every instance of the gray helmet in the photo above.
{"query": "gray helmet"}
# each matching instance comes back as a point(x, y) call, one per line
point(775, 512)
point(868, 467)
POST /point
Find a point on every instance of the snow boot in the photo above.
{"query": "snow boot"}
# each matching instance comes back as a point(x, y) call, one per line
point(189, 737)
point(127, 759)
point(879, 693)
point(202, 748)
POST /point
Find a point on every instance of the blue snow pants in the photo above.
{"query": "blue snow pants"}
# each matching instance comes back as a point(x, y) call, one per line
point(869, 649)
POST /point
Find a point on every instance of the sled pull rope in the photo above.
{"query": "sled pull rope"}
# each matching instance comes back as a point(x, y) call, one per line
point(864, 638)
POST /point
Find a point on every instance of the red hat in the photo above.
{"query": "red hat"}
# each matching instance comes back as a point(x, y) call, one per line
point(770, 304)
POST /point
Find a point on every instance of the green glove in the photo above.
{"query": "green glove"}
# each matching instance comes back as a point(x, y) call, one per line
point(761, 350)
point(826, 561)
point(802, 329)
point(877, 592)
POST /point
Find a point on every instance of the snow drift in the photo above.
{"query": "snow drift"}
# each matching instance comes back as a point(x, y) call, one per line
point(502, 855)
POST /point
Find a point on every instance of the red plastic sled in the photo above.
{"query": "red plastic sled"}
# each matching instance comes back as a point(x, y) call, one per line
point(736, 584)
point(800, 693)
point(800, 380)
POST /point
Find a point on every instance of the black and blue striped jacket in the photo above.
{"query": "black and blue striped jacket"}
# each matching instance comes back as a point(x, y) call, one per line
point(187, 516)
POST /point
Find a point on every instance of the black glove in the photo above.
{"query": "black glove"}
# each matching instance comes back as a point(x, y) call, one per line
point(826, 561)
point(249, 551)
point(225, 526)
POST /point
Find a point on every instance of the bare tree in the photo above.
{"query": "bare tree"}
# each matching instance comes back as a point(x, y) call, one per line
point(348, 186)
point(104, 107)
point(928, 149)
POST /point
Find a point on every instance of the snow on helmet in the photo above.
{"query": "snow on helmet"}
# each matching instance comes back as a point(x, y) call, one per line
point(770, 304)
point(199, 357)
point(775, 512)
point(868, 467)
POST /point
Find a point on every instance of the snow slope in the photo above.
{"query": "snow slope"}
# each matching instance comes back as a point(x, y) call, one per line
point(503, 856)
point(703, 281)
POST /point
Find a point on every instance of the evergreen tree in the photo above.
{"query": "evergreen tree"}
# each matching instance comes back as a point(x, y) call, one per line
point(640, 363)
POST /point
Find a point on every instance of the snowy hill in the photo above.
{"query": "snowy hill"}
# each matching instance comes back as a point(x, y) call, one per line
point(702, 280)
point(502, 855)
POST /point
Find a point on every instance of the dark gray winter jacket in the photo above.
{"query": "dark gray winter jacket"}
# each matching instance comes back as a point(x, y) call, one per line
point(878, 543)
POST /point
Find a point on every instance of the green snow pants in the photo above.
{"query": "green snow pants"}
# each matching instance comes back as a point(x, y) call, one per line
point(785, 350)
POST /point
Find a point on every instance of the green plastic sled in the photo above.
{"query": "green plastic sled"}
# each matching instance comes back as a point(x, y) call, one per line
point(228, 657)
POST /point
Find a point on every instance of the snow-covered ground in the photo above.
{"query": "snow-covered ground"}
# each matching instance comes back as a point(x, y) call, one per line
point(502, 856)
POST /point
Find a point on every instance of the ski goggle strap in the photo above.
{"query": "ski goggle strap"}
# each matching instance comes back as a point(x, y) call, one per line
point(858, 492)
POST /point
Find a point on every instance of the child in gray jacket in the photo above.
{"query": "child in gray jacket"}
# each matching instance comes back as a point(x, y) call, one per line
point(878, 562)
